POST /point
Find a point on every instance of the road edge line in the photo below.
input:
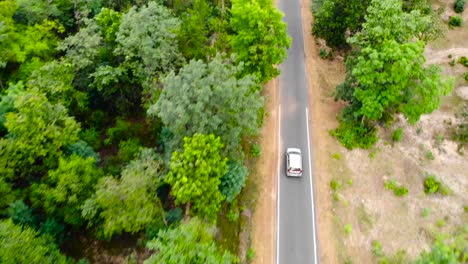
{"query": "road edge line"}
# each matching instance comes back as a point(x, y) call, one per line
point(311, 188)
point(278, 186)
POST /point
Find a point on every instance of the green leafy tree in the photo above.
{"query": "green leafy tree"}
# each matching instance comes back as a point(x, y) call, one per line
point(207, 98)
point(194, 32)
point(234, 180)
point(333, 18)
point(387, 76)
point(149, 48)
point(130, 203)
point(66, 188)
point(20, 213)
point(260, 37)
point(190, 242)
point(37, 131)
point(195, 175)
point(443, 253)
point(23, 245)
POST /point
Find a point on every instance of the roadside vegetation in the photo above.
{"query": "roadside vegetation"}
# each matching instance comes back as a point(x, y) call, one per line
point(401, 125)
point(127, 128)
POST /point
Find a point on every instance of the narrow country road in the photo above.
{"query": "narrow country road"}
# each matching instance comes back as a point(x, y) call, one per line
point(296, 243)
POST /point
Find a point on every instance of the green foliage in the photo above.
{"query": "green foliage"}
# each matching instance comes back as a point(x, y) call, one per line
point(256, 150)
point(191, 242)
point(397, 134)
point(174, 216)
point(109, 22)
point(195, 30)
point(459, 6)
point(121, 131)
point(53, 229)
point(333, 18)
point(225, 106)
point(130, 203)
point(348, 228)
point(7, 103)
point(323, 54)
point(335, 185)
point(426, 212)
point(37, 130)
point(441, 253)
point(234, 180)
point(352, 135)
point(65, 189)
point(195, 174)
point(431, 185)
point(430, 155)
point(128, 149)
point(260, 37)
point(455, 21)
point(376, 248)
point(149, 48)
point(398, 189)
point(82, 149)
point(23, 245)
point(250, 255)
point(6, 193)
point(20, 213)
point(463, 61)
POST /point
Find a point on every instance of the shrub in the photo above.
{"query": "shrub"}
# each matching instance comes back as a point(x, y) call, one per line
point(465, 75)
point(460, 132)
point(397, 134)
point(323, 54)
point(440, 223)
point(452, 62)
point(335, 185)
point(431, 184)
point(455, 21)
point(348, 229)
point(459, 6)
point(429, 155)
point(336, 156)
point(256, 150)
point(250, 254)
point(398, 190)
point(354, 134)
point(463, 61)
point(377, 248)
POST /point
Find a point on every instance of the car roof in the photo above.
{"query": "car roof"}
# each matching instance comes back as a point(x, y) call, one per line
point(295, 160)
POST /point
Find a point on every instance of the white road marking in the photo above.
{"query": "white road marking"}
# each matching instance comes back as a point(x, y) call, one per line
point(278, 186)
point(311, 188)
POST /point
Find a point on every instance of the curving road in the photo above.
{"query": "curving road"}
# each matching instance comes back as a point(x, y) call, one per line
point(296, 243)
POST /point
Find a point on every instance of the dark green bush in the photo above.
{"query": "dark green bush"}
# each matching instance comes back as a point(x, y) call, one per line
point(397, 134)
point(354, 134)
point(431, 184)
point(463, 61)
point(455, 21)
point(459, 6)
point(20, 213)
point(256, 150)
point(323, 54)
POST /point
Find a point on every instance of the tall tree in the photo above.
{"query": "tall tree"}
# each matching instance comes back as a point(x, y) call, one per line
point(65, 189)
point(388, 75)
point(190, 242)
point(195, 175)
point(23, 245)
point(334, 18)
point(207, 98)
point(149, 48)
point(260, 37)
point(130, 203)
point(37, 132)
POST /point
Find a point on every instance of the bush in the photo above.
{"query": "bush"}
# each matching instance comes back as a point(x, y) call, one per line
point(463, 61)
point(397, 134)
point(398, 190)
point(256, 150)
point(431, 184)
point(323, 54)
point(354, 134)
point(460, 132)
point(377, 248)
point(455, 21)
point(335, 185)
point(465, 75)
point(459, 6)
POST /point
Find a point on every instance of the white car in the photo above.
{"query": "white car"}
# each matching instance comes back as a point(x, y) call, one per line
point(293, 162)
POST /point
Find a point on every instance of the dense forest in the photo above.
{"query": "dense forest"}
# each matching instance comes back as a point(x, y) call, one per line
point(129, 118)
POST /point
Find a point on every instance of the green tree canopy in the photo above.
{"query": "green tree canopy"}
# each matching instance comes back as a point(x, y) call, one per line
point(37, 131)
point(149, 48)
point(190, 242)
point(130, 203)
point(333, 18)
point(195, 175)
point(260, 37)
point(207, 98)
point(233, 181)
point(23, 245)
point(66, 188)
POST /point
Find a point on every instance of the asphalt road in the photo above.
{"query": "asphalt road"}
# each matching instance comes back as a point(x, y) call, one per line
point(296, 217)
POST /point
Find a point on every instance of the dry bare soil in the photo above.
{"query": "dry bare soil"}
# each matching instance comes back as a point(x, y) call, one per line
point(362, 210)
